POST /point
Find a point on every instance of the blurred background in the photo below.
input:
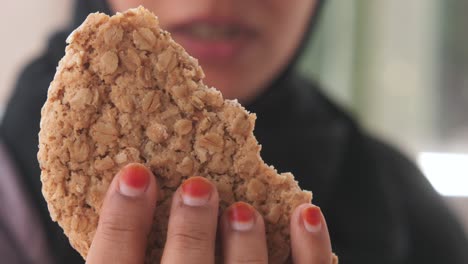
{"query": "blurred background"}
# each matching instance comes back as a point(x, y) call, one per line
point(401, 67)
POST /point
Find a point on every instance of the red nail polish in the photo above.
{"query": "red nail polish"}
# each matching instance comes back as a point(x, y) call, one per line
point(241, 216)
point(312, 218)
point(134, 179)
point(196, 191)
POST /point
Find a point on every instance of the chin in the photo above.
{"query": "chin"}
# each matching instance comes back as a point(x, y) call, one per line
point(224, 81)
point(225, 87)
point(234, 83)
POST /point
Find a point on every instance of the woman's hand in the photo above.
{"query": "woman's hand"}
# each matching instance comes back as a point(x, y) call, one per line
point(127, 213)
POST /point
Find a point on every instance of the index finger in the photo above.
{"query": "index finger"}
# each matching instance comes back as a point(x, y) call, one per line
point(126, 218)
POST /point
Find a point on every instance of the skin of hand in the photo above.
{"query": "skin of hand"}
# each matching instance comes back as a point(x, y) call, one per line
point(128, 209)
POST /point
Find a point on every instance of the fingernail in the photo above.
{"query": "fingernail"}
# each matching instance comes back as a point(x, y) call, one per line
point(134, 180)
point(241, 216)
point(312, 218)
point(196, 191)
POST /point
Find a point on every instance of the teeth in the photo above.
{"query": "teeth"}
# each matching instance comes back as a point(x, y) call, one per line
point(211, 32)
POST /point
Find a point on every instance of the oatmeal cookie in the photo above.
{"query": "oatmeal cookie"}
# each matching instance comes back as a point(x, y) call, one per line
point(126, 92)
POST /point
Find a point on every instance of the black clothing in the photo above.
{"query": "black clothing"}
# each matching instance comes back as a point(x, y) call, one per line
point(379, 207)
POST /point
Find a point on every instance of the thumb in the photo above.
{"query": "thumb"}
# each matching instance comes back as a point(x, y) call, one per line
point(125, 218)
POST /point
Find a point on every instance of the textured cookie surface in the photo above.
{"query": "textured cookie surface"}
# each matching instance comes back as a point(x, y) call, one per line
point(126, 92)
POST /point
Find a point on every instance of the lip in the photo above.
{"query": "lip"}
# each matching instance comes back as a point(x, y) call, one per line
point(213, 50)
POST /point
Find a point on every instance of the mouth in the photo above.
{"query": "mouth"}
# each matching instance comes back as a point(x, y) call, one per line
point(213, 40)
point(211, 32)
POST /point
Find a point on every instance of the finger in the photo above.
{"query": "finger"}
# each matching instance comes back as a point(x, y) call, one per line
point(192, 223)
point(125, 218)
point(243, 235)
point(310, 241)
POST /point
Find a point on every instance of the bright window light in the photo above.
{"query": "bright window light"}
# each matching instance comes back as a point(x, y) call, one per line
point(448, 173)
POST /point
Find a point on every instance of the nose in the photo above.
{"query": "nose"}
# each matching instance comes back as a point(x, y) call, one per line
point(212, 7)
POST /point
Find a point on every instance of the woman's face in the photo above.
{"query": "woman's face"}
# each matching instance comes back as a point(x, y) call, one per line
point(241, 44)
